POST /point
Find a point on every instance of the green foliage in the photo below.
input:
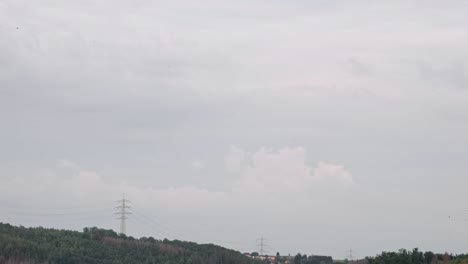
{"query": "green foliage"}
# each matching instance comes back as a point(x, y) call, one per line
point(94, 245)
point(304, 259)
point(404, 256)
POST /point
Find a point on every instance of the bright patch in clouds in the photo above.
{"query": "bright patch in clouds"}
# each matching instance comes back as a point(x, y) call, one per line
point(259, 174)
point(285, 170)
point(198, 165)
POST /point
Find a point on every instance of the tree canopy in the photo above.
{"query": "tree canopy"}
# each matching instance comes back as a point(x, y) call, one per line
point(94, 245)
point(415, 256)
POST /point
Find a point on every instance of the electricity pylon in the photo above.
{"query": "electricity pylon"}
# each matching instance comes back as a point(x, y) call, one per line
point(123, 210)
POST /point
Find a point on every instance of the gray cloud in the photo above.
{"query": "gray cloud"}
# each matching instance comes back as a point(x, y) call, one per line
point(452, 76)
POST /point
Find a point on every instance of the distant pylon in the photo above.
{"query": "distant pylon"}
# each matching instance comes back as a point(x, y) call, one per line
point(350, 255)
point(261, 245)
point(123, 210)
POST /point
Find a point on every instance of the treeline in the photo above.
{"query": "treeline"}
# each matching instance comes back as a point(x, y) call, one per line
point(312, 259)
point(415, 256)
point(94, 245)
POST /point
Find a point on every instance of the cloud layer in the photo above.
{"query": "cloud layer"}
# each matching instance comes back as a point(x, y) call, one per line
point(259, 175)
point(146, 97)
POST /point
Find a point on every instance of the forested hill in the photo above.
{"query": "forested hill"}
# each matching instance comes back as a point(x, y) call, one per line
point(415, 256)
point(94, 245)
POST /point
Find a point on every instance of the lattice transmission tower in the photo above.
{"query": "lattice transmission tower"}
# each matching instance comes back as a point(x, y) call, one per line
point(262, 246)
point(123, 210)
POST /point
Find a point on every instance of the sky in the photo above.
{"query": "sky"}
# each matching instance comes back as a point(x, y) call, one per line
point(322, 125)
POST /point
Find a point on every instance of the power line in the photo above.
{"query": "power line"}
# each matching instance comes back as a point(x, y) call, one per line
point(36, 213)
point(35, 207)
point(169, 229)
point(41, 216)
point(155, 221)
point(153, 228)
point(55, 219)
point(123, 211)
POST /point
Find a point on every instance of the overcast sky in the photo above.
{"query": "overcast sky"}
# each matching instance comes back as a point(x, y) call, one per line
point(323, 125)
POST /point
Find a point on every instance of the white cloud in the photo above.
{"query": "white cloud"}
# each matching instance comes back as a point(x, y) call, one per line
point(65, 163)
point(332, 172)
point(86, 188)
point(286, 171)
point(267, 172)
point(197, 164)
point(234, 159)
